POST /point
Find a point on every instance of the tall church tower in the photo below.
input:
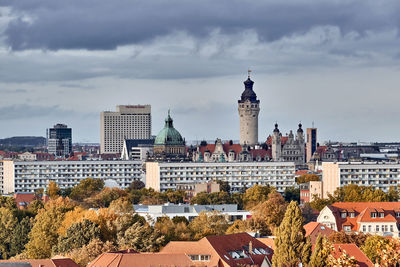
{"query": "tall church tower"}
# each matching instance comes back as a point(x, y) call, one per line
point(276, 144)
point(248, 107)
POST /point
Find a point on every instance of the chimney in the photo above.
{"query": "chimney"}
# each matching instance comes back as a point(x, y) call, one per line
point(251, 247)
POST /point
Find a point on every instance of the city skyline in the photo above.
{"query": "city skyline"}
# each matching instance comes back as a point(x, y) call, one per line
point(335, 64)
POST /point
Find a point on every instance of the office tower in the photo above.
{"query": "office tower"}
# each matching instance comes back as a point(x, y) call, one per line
point(311, 142)
point(248, 107)
point(59, 140)
point(127, 122)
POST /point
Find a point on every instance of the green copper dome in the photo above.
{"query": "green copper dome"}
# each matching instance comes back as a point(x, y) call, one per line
point(169, 135)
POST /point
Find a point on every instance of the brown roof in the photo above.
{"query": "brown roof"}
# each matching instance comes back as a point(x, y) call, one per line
point(270, 242)
point(23, 199)
point(59, 262)
point(141, 260)
point(220, 249)
point(353, 251)
point(313, 229)
point(283, 140)
point(362, 212)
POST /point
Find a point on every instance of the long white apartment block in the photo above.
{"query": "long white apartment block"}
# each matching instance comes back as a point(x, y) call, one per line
point(380, 175)
point(162, 176)
point(28, 176)
point(127, 122)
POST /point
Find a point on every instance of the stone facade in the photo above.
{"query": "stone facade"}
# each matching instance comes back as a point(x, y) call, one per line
point(249, 108)
point(288, 148)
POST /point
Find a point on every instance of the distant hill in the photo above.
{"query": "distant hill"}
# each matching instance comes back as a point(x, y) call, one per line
point(23, 141)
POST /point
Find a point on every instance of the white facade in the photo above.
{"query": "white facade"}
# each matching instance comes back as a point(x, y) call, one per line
point(190, 212)
point(128, 122)
point(378, 175)
point(28, 176)
point(240, 175)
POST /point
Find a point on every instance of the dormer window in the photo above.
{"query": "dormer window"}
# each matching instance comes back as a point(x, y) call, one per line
point(381, 214)
point(398, 214)
point(347, 228)
point(343, 214)
point(373, 214)
point(352, 215)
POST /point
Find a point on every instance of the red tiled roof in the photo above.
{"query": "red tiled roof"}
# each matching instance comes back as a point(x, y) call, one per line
point(219, 247)
point(260, 152)
point(23, 199)
point(226, 147)
point(113, 259)
point(353, 251)
point(57, 262)
point(362, 212)
point(283, 140)
point(313, 229)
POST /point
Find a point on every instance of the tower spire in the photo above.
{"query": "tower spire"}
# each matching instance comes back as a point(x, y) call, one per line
point(248, 73)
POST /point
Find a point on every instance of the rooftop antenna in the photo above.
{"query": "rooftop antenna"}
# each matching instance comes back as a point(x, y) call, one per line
point(248, 73)
point(312, 124)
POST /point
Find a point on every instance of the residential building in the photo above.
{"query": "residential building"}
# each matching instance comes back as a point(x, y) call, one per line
point(190, 212)
point(353, 251)
point(192, 190)
point(27, 156)
point(311, 143)
point(59, 140)
point(226, 250)
point(137, 149)
point(380, 175)
point(287, 148)
point(314, 229)
point(230, 152)
point(309, 190)
point(249, 108)
point(162, 176)
point(28, 176)
point(376, 218)
point(127, 122)
point(131, 258)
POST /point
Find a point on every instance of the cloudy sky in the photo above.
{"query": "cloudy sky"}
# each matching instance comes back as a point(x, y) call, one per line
point(335, 63)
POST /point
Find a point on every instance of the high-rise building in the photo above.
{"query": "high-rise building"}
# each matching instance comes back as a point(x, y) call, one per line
point(128, 122)
point(59, 140)
point(311, 142)
point(248, 107)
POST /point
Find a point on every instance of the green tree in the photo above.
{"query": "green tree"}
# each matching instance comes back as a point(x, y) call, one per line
point(141, 237)
point(255, 195)
point(104, 197)
point(8, 203)
point(208, 223)
point(292, 193)
point(320, 255)
point(8, 223)
point(305, 178)
point(353, 238)
point(291, 245)
point(269, 214)
point(44, 234)
point(53, 191)
point(224, 186)
point(19, 237)
point(136, 185)
point(78, 235)
point(86, 188)
point(82, 256)
point(371, 246)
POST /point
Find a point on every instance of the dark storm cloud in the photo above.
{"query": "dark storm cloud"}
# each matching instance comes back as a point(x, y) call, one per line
point(104, 25)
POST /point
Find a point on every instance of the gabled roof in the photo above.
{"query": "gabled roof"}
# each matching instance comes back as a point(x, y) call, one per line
point(220, 249)
point(362, 212)
point(353, 251)
point(237, 148)
point(23, 199)
point(113, 259)
point(313, 229)
point(283, 140)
